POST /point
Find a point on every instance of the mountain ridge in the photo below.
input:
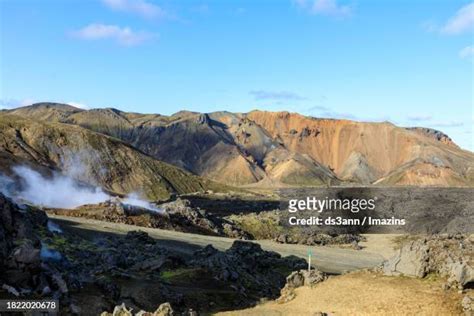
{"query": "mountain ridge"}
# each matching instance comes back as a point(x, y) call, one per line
point(92, 158)
point(278, 148)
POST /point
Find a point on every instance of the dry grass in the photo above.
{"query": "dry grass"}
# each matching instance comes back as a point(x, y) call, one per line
point(364, 293)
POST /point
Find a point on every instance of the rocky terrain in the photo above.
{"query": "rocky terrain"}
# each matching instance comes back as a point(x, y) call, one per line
point(231, 216)
point(435, 134)
point(179, 215)
point(99, 272)
point(450, 256)
point(222, 178)
point(92, 275)
point(447, 256)
point(270, 225)
point(430, 275)
point(268, 149)
point(176, 215)
point(426, 210)
point(20, 250)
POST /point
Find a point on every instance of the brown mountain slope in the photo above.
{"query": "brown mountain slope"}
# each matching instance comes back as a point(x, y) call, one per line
point(188, 140)
point(420, 172)
point(437, 135)
point(279, 164)
point(369, 151)
point(281, 148)
point(92, 158)
point(223, 146)
point(51, 112)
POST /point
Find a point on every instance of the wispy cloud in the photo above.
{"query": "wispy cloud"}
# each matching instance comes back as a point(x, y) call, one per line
point(276, 95)
point(419, 118)
point(122, 35)
point(461, 22)
point(324, 7)
point(139, 7)
point(467, 52)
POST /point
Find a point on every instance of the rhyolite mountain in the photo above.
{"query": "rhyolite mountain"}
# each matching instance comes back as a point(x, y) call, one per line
point(260, 148)
point(92, 158)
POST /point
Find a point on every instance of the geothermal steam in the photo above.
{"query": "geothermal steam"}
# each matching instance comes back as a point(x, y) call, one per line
point(60, 191)
point(135, 200)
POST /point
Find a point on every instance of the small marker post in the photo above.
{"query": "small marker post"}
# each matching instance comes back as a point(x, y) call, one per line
point(309, 259)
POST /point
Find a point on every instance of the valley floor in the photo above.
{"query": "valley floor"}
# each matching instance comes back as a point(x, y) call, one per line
point(327, 259)
point(365, 293)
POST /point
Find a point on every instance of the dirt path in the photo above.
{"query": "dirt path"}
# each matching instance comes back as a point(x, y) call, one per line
point(327, 259)
point(363, 293)
point(382, 244)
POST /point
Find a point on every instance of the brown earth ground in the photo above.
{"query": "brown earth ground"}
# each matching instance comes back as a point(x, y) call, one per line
point(365, 293)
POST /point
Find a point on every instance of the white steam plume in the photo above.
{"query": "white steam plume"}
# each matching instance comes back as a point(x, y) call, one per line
point(135, 200)
point(60, 191)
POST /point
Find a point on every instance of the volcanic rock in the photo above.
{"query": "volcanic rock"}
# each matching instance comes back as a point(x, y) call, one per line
point(447, 255)
point(411, 260)
point(467, 304)
point(19, 244)
point(297, 279)
point(248, 266)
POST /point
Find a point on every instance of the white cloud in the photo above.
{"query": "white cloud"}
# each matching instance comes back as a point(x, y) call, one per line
point(461, 22)
point(324, 7)
point(122, 35)
point(140, 7)
point(79, 105)
point(467, 52)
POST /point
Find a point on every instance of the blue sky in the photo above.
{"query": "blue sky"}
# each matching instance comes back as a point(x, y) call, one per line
point(408, 62)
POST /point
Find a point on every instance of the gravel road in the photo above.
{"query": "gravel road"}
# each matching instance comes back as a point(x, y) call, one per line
point(327, 259)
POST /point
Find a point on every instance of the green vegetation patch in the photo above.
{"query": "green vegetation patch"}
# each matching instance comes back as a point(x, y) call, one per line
point(260, 226)
point(181, 274)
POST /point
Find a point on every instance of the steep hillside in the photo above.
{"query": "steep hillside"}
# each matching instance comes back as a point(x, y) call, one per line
point(281, 148)
point(435, 134)
point(188, 140)
point(91, 158)
point(365, 152)
point(223, 146)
